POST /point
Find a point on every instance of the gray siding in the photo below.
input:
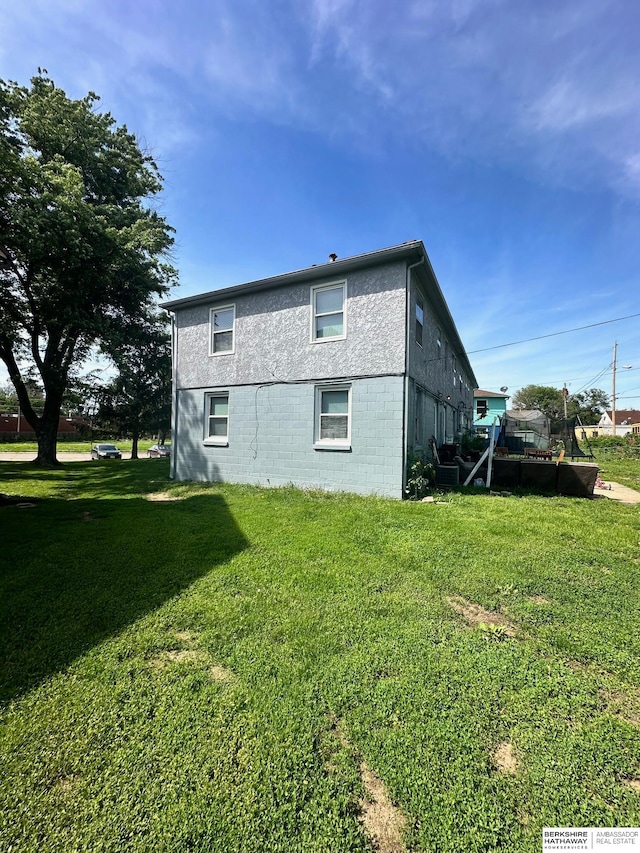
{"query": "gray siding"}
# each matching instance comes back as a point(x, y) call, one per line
point(271, 436)
point(431, 374)
point(273, 334)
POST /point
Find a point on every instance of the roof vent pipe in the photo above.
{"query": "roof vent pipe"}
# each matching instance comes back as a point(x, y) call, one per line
point(333, 257)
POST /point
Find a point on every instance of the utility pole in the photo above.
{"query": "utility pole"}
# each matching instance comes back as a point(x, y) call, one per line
point(565, 394)
point(613, 388)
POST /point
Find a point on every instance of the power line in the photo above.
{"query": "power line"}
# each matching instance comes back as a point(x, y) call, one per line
point(553, 334)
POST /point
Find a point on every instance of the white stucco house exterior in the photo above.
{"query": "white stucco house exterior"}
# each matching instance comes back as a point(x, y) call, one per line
point(326, 377)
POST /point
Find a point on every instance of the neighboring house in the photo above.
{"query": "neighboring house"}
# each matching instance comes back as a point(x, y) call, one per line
point(327, 377)
point(489, 407)
point(625, 419)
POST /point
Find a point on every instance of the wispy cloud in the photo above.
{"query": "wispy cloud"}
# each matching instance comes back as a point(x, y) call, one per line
point(554, 85)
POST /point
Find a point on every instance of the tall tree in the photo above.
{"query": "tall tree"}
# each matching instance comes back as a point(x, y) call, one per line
point(589, 405)
point(82, 252)
point(139, 397)
point(543, 397)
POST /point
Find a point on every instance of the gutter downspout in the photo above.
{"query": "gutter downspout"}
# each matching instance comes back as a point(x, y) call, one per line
point(174, 395)
point(405, 389)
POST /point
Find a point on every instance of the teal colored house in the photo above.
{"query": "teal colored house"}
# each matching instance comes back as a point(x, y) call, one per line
point(488, 407)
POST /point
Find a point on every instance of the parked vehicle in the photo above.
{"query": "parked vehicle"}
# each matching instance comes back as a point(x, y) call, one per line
point(105, 451)
point(159, 450)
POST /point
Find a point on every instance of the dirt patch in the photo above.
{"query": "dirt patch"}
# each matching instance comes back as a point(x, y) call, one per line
point(539, 599)
point(190, 656)
point(176, 656)
point(220, 673)
point(382, 821)
point(185, 637)
point(65, 783)
point(475, 614)
point(622, 705)
point(163, 497)
point(634, 784)
point(504, 760)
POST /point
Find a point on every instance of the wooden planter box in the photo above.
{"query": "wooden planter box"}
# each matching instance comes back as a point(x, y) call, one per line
point(577, 479)
point(538, 475)
point(506, 473)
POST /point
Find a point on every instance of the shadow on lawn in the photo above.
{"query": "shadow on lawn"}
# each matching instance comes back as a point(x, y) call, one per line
point(100, 479)
point(76, 572)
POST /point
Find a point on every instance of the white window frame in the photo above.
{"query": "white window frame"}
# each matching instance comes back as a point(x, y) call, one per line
point(212, 332)
point(331, 443)
point(215, 440)
point(333, 285)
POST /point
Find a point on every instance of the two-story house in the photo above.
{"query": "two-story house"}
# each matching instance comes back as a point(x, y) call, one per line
point(327, 377)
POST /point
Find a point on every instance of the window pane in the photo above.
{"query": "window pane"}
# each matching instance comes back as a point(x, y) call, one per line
point(329, 326)
point(223, 341)
point(219, 405)
point(217, 427)
point(335, 402)
point(329, 301)
point(419, 313)
point(334, 426)
point(223, 320)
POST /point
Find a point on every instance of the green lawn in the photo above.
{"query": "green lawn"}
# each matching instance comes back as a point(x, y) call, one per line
point(75, 446)
point(225, 667)
point(620, 470)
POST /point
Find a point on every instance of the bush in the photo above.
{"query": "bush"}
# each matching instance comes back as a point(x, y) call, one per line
point(622, 446)
point(421, 476)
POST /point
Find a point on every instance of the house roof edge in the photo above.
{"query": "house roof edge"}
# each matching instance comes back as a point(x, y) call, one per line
point(410, 249)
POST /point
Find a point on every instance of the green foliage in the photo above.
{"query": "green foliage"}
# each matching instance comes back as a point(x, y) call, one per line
point(621, 442)
point(139, 398)
point(82, 250)
point(543, 397)
point(184, 674)
point(587, 405)
point(472, 442)
point(421, 477)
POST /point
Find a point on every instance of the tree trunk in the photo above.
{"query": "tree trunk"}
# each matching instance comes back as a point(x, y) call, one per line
point(135, 435)
point(46, 430)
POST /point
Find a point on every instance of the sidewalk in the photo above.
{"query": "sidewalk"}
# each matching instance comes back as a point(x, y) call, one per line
point(622, 494)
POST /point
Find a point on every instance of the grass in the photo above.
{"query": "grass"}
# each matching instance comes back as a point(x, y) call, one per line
point(620, 470)
point(213, 671)
point(75, 446)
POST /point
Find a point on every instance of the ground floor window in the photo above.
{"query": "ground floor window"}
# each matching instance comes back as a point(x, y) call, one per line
point(217, 418)
point(333, 417)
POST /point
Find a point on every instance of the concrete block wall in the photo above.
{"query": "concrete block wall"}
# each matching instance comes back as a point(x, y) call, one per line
point(271, 438)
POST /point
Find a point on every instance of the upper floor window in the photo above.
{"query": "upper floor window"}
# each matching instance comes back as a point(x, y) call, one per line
point(328, 312)
point(482, 408)
point(223, 330)
point(419, 320)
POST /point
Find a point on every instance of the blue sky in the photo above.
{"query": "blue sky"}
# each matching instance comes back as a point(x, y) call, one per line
point(504, 134)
